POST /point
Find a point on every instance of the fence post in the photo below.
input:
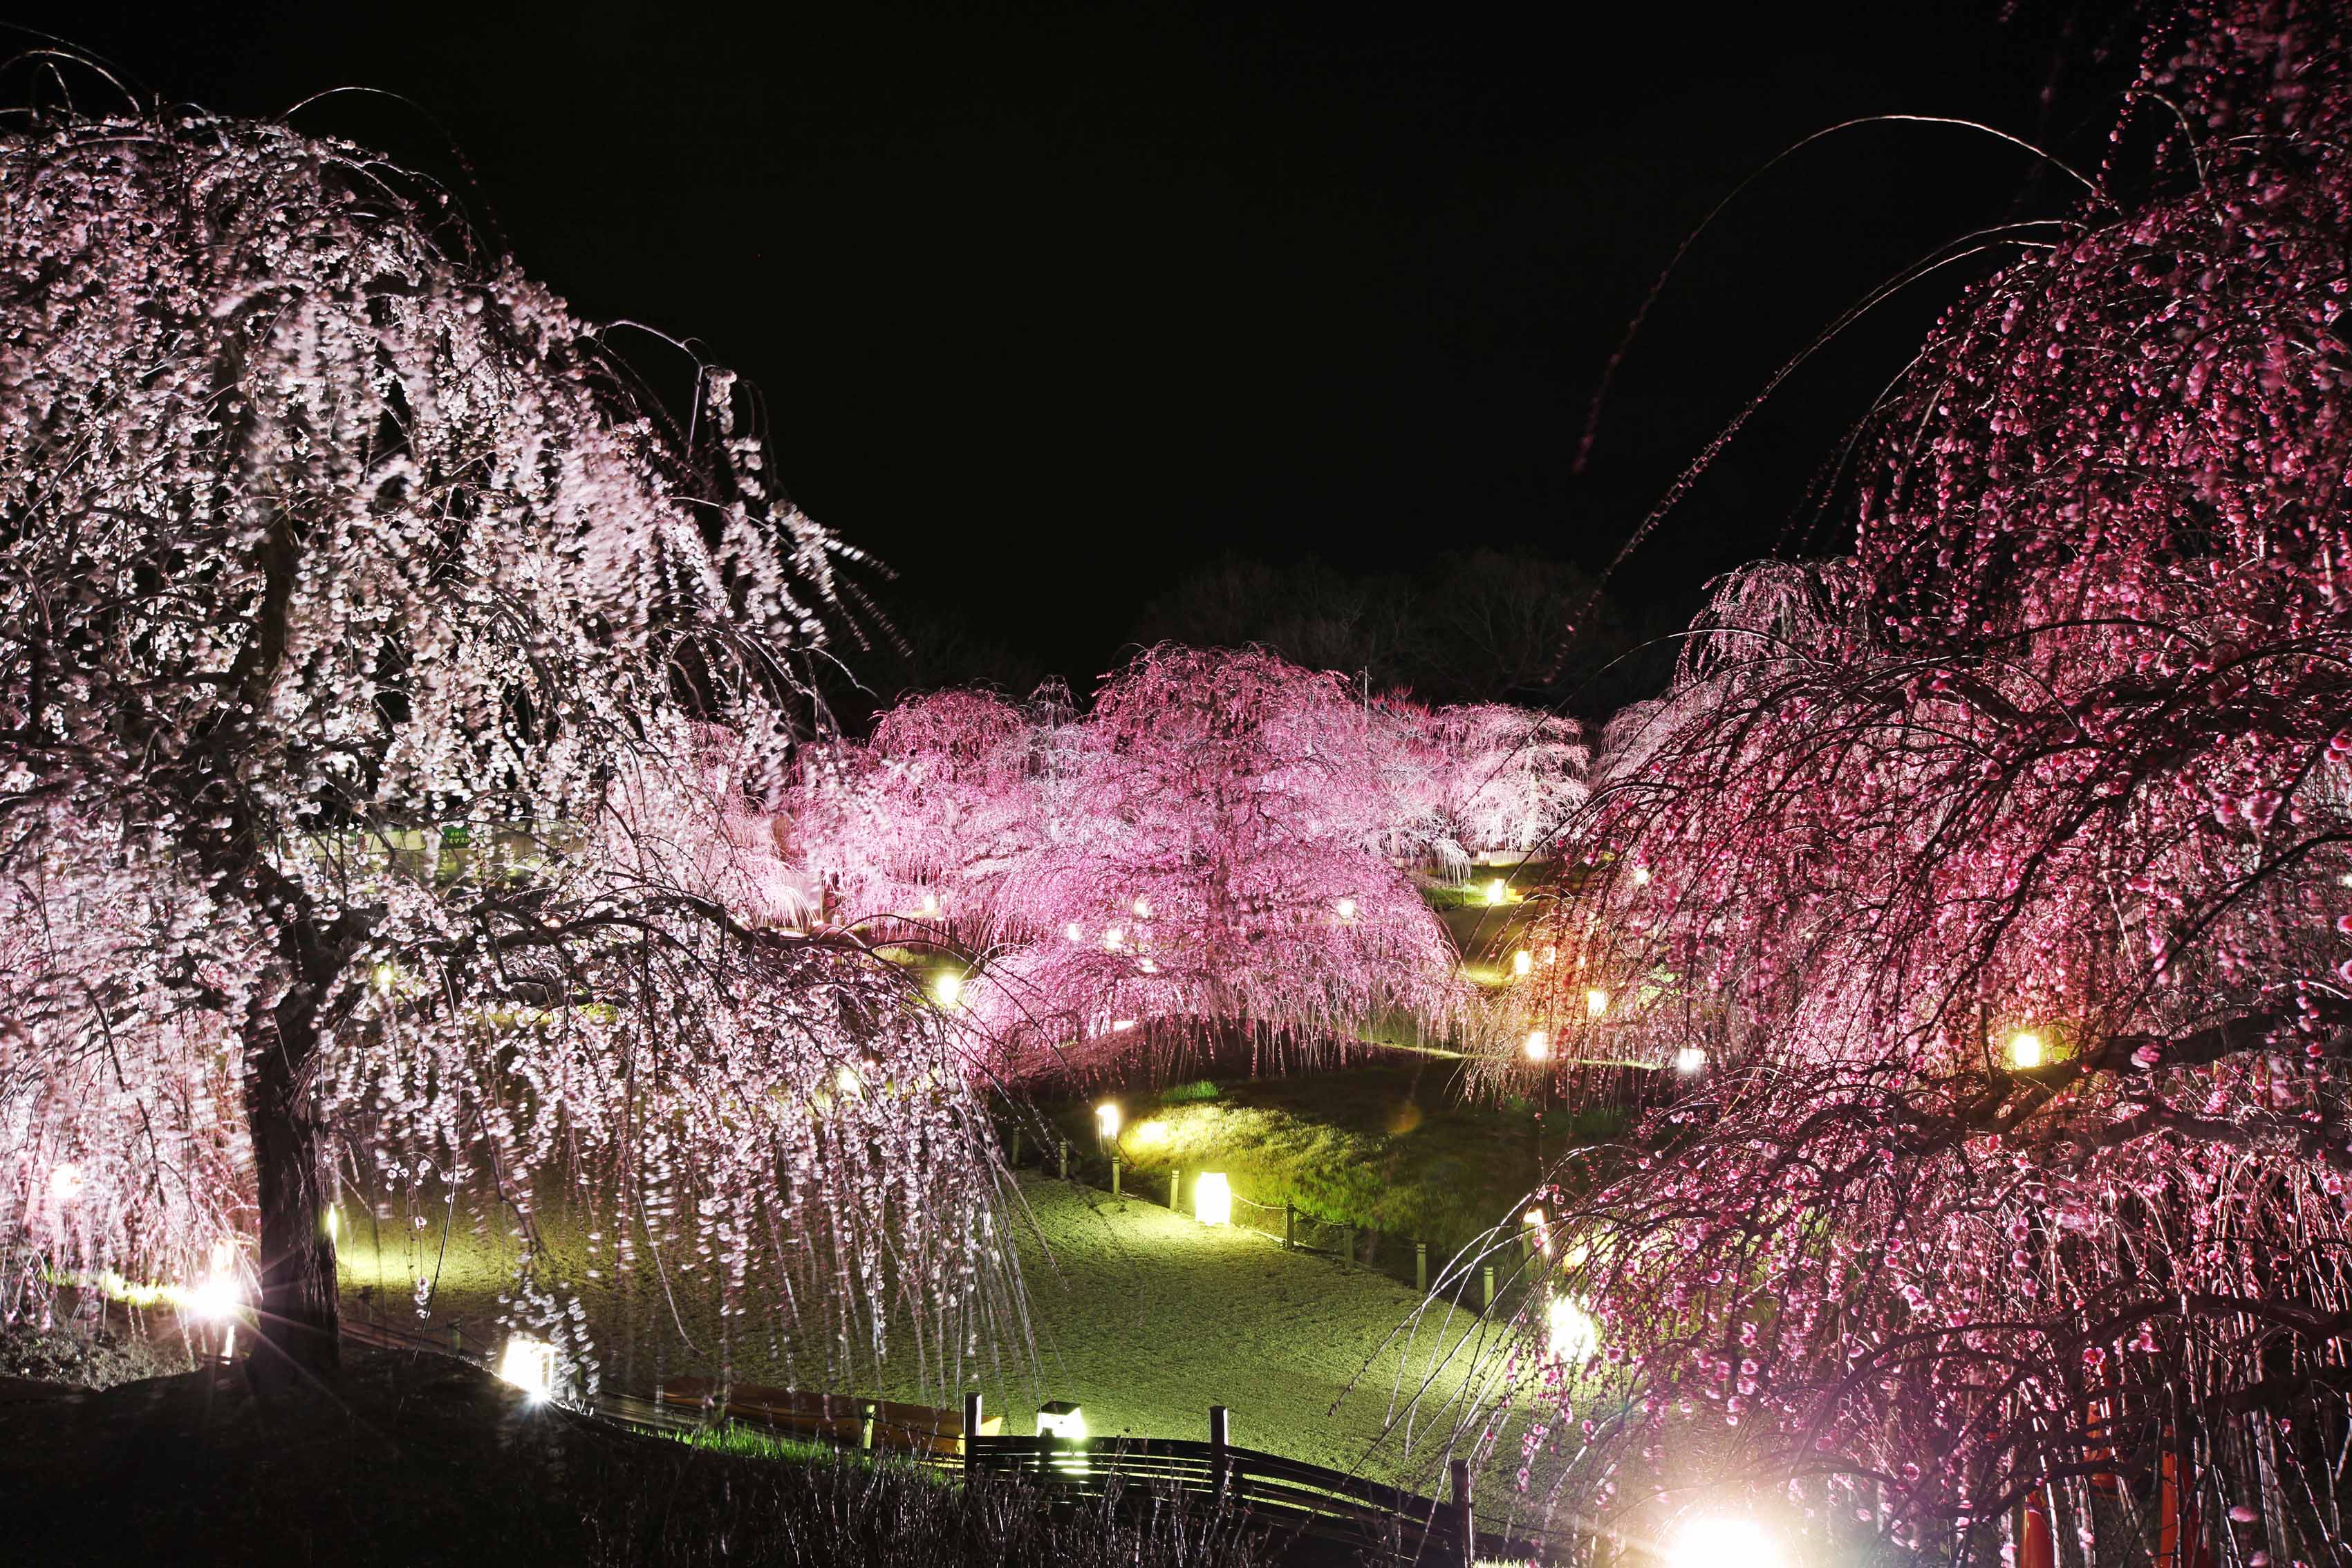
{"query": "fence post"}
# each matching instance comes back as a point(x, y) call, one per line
point(1175, 1189)
point(1016, 1148)
point(1220, 1439)
point(1290, 1225)
point(865, 1428)
point(1421, 1267)
point(456, 1337)
point(1062, 1170)
point(971, 1435)
point(1114, 1172)
point(1486, 1277)
point(1461, 1468)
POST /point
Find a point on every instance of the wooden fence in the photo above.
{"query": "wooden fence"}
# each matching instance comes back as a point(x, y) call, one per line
point(1311, 1504)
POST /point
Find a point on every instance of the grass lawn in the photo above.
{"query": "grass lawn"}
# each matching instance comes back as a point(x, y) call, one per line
point(1388, 1146)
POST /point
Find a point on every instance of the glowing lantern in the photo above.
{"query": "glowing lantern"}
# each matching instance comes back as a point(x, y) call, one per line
point(528, 1364)
point(1706, 1543)
point(66, 1182)
point(1522, 961)
point(1535, 1222)
point(1538, 1045)
point(1075, 931)
point(1570, 1334)
point(217, 1299)
point(1107, 1119)
point(1062, 1418)
point(847, 1081)
point(1498, 890)
point(930, 903)
point(1690, 1060)
point(1213, 1199)
point(1112, 937)
point(1150, 966)
point(1121, 1025)
point(1641, 876)
point(2025, 1051)
point(1345, 908)
point(1596, 1001)
point(946, 989)
point(1142, 909)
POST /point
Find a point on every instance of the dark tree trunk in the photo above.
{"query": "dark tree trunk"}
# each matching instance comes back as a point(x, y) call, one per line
point(296, 1316)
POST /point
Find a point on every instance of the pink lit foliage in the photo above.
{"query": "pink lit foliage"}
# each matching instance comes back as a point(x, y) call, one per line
point(1497, 780)
point(1212, 851)
point(317, 537)
point(2064, 750)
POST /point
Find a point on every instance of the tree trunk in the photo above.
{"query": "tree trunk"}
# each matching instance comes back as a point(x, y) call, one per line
point(296, 1316)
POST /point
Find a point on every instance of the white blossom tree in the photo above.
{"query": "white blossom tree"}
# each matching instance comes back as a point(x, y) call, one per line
point(325, 543)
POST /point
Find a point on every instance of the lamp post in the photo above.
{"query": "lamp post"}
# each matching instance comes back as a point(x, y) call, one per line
point(1107, 1123)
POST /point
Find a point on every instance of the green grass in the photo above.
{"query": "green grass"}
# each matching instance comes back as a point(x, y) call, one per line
point(758, 1443)
point(1382, 1146)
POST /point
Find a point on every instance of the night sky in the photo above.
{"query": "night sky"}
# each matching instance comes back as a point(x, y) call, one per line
point(1049, 304)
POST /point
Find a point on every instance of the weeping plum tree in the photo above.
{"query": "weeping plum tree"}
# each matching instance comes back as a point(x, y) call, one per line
point(325, 543)
point(2000, 871)
point(1223, 865)
point(1224, 842)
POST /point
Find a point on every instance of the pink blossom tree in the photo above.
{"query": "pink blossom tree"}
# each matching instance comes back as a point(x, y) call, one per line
point(1209, 850)
point(2000, 875)
point(325, 543)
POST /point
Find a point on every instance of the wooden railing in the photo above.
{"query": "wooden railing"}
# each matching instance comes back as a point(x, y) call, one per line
point(1290, 1495)
point(1309, 1502)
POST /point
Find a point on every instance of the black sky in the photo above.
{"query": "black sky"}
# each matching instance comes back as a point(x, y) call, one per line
point(1050, 303)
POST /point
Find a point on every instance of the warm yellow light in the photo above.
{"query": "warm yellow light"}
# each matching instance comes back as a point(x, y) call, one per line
point(1596, 1001)
point(947, 988)
point(1150, 1134)
point(1213, 1199)
point(847, 1079)
point(1538, 1045)
point(1534, 1220)
point(1112, 937)
point(1149, 965)
point(1522, 961)
point(1075, 931)
point(1498, 890)
point(1708, 1542)
point(930, 903)
point(2025, 1049)
point(1142, 908)
point(66, 1180)
point(1345, 908)
point(1641, 876)
point(529, 1366)
point(1690, 1060)
point(1060, 1419)
point(334, 1223)
point(1106, 1118)
point(1570, 1334)
point(1121, 1025)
